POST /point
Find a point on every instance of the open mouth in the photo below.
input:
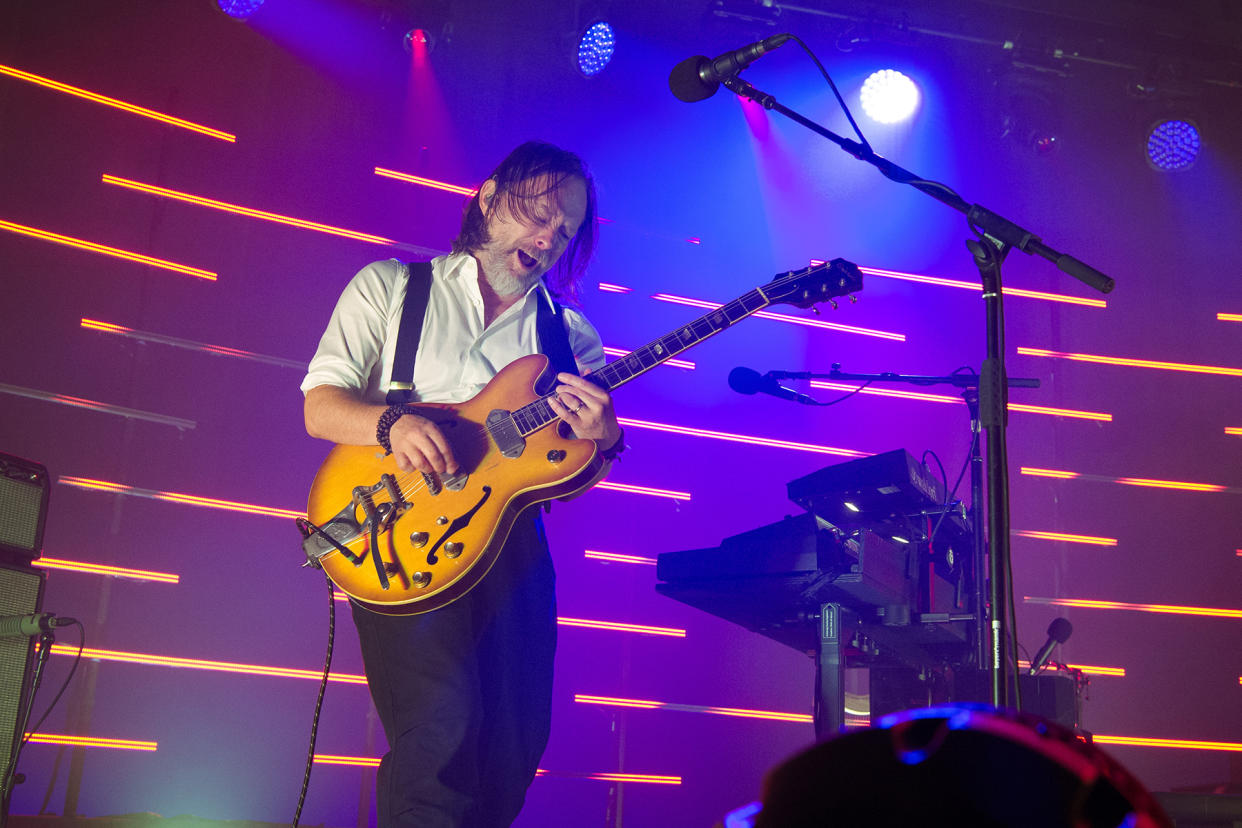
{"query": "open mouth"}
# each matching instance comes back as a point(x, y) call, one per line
point(528, 262)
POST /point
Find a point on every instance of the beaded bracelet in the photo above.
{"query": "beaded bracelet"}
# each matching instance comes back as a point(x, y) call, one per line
point(615, 449)
point(387, 420)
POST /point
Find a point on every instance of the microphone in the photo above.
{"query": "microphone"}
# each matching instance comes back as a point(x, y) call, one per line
point(1058, 633)
point(36, 624)
point(748, 381)
point(698, 77)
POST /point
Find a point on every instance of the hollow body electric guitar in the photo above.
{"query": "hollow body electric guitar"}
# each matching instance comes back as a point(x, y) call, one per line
point(404, 543)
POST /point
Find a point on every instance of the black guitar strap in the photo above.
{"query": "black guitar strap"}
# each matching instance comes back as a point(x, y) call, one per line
point(550, 328)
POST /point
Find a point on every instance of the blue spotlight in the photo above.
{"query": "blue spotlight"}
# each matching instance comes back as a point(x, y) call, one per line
point(239, 9)
point(889, 96)
point(595, 48)
point(1172, 145)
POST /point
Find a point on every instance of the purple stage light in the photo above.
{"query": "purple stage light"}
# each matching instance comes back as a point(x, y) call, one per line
point(595, 48)
point(239, 9)
point(1173, 145)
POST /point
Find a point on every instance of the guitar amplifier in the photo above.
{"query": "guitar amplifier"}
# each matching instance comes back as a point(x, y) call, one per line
point(23, 509)
point(21, 593)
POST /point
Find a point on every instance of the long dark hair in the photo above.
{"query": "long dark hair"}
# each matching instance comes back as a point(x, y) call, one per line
point(515, 179)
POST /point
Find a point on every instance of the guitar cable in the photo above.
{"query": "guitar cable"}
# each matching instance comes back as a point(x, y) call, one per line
point(323, 686)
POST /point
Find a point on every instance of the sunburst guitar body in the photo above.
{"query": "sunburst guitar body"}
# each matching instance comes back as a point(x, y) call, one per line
point(404, 543)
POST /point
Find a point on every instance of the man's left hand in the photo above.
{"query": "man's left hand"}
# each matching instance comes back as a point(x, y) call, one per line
point(587, 408)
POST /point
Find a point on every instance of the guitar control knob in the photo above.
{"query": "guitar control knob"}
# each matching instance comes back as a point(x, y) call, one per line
point(418, 539)
point(441, 520)
point(420, 579)
point(556, 456)
point(452, 549)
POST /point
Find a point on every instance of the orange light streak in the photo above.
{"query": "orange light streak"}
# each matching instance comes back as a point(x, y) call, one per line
point(1062, 475)
point(1186, 744)
point(178, 497)
point(1065, 537)
point(1134, 363)
point(106, 569)
point(95, 405)
point(1090, 669)
point(946, 398)
point(202, 664)
point(189, 344)
point(250, 212)
point(643, 490)
point(781, 317)
point(1235, 430)
point(671, 363)
point(1170, 484)
point(373, 762)
point(739, 438)
point(1130, 481)
point(134, 109)
point(740, 712)
point(635, 559)
point(977, 286)
point(1229, 317)
point(1171, 609)
point(621, 627)
point(83, 244)
point(90, 741)
point(425, 182)
point(610, 288)
point(355, 761)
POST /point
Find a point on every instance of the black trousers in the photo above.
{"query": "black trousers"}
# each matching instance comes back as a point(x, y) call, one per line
point(465, 693)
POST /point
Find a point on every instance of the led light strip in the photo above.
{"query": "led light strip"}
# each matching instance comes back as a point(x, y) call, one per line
point(113, 102)
point(740, 712)
point(610, 288)
point(83, 244)
point(1229, 317)
point(945, 398)
point(643, 490)
point(1067, 538)
point(106, 569)
point(782, 317)
point(739, 438)
point(244, 211)
point(620, 627)
point(1090, 669)
point(671, 363)
point(1186, 744)
point(89, 741)
point(638, 559)
point(1129, 481)
point(425, 182)
point(189, 344)
point(369, 762)
point(1134, 363)
point(201, 664)
point(178, 497)
point(1234, 430)
point(1170, 609)
point(95, 405)
point(977, 286)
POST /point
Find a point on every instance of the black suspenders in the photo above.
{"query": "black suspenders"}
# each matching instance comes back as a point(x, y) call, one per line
point(549, 325)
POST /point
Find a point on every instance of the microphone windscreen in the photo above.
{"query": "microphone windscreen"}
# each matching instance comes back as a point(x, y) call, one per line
point(745, 380)
point(686, 84)
point(1060, 630)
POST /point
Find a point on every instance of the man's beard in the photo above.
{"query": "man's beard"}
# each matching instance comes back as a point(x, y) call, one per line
point(502, 279)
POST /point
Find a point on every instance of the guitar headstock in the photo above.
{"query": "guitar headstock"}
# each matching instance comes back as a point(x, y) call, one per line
point(817, 283)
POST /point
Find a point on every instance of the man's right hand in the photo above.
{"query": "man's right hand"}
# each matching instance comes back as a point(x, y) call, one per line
point(418, 444)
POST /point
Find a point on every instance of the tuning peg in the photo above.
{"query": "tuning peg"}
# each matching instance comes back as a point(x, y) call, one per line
point(833, 302)
point(815, 309)
point(853, 299)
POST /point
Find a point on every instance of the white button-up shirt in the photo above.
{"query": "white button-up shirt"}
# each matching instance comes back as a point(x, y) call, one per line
point(457, 356)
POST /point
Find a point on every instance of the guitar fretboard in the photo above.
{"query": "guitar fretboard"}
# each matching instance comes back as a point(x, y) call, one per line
point(534, 416)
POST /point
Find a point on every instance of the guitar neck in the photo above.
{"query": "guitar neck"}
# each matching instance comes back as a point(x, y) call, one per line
point(534, 416)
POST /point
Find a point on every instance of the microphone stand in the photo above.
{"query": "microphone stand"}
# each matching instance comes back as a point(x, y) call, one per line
point(998, 236)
